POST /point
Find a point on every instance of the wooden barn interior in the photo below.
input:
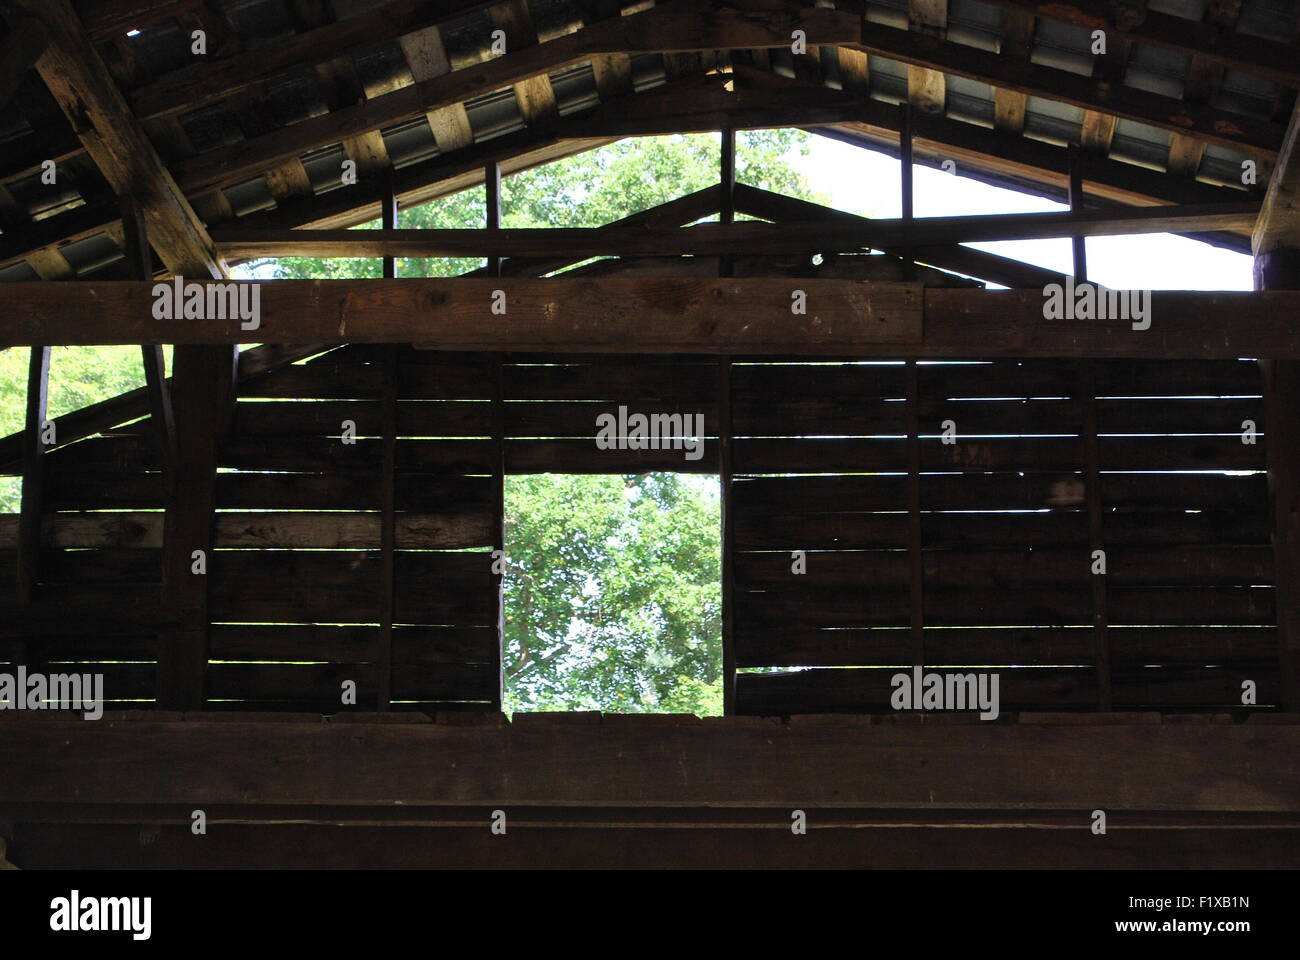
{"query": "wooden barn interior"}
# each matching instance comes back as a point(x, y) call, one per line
point(1164, 692)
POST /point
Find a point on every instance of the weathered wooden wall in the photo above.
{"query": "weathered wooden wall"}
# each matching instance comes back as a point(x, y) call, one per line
point(820, 456)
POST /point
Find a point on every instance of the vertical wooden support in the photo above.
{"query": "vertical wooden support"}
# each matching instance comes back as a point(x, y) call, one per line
point(33, 484)
point(499, 524)
point(1078, 245)
point(1100, 616)
point(140, 261)
point(916, 560)
point(388, 487)
point(1087, 392)
point(727, 181)
point(905, 174)
point(202, 400)
point(1279, 269)
point(492, 181)
point(726, 479)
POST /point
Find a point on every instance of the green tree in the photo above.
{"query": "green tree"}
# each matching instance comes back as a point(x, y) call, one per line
point(613, 598)
point(586, 190)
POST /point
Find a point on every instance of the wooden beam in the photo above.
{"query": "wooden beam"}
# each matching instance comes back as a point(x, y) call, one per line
point(19, 52)
point(115, 139)
point(202, 394)
point(671, 27)
point(1124, 764)
point(140, 258)
point(712, 316)
point(32, 510)
point(722, 239)
point(927, 89)
point(1256, 137)
point(975, 263)
point(1016, 44)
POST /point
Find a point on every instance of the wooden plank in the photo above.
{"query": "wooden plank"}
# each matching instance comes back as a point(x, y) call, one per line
point(1151, 767)
point(721, 239)
point(670, 27)
point(957, 646)
point(868, 690)
point(664, 315)
point(726, 480)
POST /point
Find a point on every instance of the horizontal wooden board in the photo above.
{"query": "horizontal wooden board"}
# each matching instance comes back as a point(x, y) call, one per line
point(354, 644)
point(320, 683)
point(1021, 606)
point(254, 586)
point(1008, 569)
point(310, 418)
point(784, 647)
point(761, 530)
point(415, 493)
point(1123, 491)
point(1025, 688)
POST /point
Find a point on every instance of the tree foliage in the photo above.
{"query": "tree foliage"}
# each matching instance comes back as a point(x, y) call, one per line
point(612, 593)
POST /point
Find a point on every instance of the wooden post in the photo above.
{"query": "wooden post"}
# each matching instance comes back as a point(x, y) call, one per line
point(1087, 393)
point(33, 483)
point(140, 262)
point(1078, 243)
point(202, 397)
point(388, 487)
point(916, 564)
point(499, 525)
point(1279, 269)
point(726, 480)
point(905, 172)
point(727, 181)
point(492, 182)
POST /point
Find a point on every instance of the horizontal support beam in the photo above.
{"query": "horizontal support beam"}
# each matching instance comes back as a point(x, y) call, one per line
point(538, 760)
point(656, 315)
point(717, 239)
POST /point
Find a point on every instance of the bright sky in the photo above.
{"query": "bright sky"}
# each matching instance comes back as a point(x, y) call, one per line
point(867, 183)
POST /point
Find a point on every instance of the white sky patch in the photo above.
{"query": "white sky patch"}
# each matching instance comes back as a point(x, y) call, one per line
point(867, 183)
